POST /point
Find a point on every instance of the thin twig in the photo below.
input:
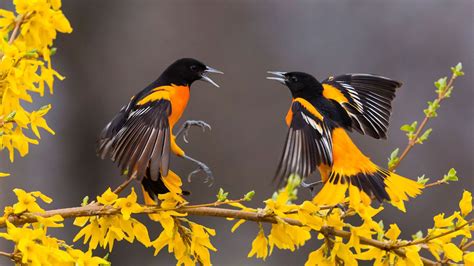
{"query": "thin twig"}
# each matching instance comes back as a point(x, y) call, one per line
point(93, 210)
point(6, 254)
point(436, 183)
point(11, 256)
point(125, 184)
point(429, 238)
point(467, 245)
point(413, 140)
point(18, 21)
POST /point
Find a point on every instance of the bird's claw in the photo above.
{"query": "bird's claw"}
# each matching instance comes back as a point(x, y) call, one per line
point(188, 124)
point(311, 186)
point(204, 168)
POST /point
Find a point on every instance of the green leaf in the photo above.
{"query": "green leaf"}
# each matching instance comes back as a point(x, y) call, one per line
point(380, 234)
point(32, 53)
point(406, 128)
point(53, 51)
point(440, 84)
point(85, 201)
point(249, 195)
point(418, 235)
point(447, 94)
point(10, 117)
point(424, 137)
point(451, 176)
point(393, 160)
point(432, 107)
point(44, 107)
point(457, 70)
point(422, 180)
point(222, 195)
point(106, 257)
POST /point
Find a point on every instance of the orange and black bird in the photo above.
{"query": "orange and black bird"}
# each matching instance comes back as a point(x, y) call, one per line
point(140, 137)
point(318, 118)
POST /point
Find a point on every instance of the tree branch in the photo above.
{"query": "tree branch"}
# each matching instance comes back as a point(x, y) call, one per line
point(16, 30)
point(429, 238)
point(93, 210)
point(412, 142)
point(6, 254)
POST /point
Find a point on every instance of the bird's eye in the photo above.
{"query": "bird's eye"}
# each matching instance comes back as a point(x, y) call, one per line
point(193, 67)
point(293, 79)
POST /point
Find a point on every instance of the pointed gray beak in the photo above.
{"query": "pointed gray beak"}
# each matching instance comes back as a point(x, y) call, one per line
point(204, 77)
point(280, 76)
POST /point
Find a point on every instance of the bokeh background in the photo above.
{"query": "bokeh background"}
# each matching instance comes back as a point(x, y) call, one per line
point(118, 47)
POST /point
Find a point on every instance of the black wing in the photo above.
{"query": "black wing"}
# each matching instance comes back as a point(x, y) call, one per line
point(367, 100)
point(308, 144)
point(139, 139)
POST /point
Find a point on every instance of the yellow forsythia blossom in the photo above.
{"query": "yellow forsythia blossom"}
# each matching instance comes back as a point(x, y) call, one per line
point(33, 244)
point(259, 246)
point(466, 203)
point(27, 201)
point(26, 40)
point(105, 230)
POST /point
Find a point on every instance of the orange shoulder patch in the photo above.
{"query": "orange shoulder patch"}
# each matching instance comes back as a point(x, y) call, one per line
point(309, 107)
point(331, 92)
point(158, 93)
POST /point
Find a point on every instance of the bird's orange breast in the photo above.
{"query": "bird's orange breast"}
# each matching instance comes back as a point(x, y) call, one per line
point(179, 97)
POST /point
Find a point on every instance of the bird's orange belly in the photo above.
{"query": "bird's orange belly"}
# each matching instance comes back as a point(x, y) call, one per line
point(348, 160)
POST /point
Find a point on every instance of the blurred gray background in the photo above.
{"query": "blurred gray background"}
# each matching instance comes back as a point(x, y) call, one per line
point(118, 47)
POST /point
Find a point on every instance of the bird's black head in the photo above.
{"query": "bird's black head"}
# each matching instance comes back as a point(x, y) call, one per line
point(300, 84)
point(187, 70)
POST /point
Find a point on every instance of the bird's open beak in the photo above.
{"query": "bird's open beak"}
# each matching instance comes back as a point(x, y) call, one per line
point(280, 76)
point(204, 77)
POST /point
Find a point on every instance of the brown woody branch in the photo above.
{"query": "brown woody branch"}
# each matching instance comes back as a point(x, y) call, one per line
point(93, 210)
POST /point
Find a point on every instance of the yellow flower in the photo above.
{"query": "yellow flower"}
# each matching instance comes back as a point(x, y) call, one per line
point(53, 221)
point(466, 203)
point(85, 258)
point(344, 253)
point(280, 205)
point(412, 255)
point(318, 258)
point(285, 236)
point(20, 142)
point(259, 246)
point(393, 232)
point(37, 120)
point(170, 200)
point(7, 18)
point(141, 233)
point(4, 174)
point(107, 198)
point(452, 252)
point(372, 253)
point(27, 201)
point(128, 205)
point(93, 232)
point(200, 243)
point(440, 221)
point(468, 259)
point(113, 233)
point(25, 68)
point(307, 215)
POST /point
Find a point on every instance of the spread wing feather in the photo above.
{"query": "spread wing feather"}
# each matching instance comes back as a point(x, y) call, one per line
point(139, 139)
point(367, 100)
point(308, 144)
